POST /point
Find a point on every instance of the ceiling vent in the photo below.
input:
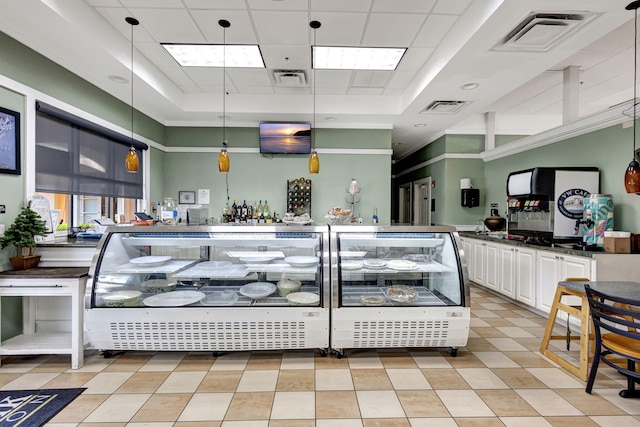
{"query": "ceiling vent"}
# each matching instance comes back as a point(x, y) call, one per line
point(444, 107)
point(540, 31)
point(290, 78)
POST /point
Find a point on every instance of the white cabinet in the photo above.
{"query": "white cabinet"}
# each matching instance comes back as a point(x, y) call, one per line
point(492, 270)
point(467, 248)
point(477, 273)
point(507, 275)
point(553, 268)
point(525, 260)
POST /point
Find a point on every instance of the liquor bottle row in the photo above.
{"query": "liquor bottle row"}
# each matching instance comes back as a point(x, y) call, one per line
point(249, 213)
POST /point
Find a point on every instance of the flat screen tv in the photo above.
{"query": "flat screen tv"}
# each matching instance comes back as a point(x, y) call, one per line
point(285, 138)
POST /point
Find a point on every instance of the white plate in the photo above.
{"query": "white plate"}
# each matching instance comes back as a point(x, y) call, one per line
point(150, 261)
point(125, 298)
point(372, 300)
point(258, 259)
point(220, 298)
point(351, 265)
point(402, 265)
point(303, 298)
point(173, 299)
point(302, 261)
point(257, 290)
point(374, 263)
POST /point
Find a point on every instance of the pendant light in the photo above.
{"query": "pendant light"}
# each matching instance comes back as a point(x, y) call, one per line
point(632, 175)
point(314, 160)
point(223, 158)
point(131, 161)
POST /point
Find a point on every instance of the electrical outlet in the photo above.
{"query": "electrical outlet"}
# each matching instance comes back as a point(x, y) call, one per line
point(1, 230)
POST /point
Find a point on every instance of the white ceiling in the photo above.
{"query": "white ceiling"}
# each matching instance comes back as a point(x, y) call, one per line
point(449, 44)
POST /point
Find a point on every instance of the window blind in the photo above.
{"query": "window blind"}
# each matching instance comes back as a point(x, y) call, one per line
point(74, 156)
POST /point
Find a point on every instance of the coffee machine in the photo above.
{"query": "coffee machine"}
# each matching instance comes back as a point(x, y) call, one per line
point(543, 204)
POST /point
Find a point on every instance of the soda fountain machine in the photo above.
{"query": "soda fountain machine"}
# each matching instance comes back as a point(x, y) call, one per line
point(544, 204)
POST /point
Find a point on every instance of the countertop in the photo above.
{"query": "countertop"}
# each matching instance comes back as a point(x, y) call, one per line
point(70, 243)
point(555, 248)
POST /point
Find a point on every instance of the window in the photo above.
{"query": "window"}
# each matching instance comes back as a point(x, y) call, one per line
point(80, 167)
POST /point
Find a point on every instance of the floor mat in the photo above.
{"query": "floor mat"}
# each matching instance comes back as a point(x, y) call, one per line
point(33, 408)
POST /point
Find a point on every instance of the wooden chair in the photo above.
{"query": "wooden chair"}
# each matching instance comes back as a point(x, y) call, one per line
point(581, 311)
point(616, 324)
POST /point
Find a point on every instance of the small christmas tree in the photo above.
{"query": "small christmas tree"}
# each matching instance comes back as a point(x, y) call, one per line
point(21, 233)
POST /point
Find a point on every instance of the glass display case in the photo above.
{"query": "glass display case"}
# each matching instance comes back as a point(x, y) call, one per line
point(398, 286)
point(213, 288)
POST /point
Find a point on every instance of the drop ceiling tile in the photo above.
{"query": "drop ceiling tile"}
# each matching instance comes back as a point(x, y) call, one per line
point(365, 91)
point(190, 88)
point(217, 4)
point(299, 57)
point(281, 27)
point(283, 90)
point(404, 6)
point(434, 30)
point(169, 25)
point(155, 53)
point(240, 31)
point(341, 5)
point(256, 90)
point(205, 76)
point(249, 77)
point(392, 30)
point(339, 29)
point(333, 78)
point(177, 75)
point(451, 7)
point(116, 17)
point(278, 5)
point(104, 3)
point(414, 58)
point(162, 4)
point(400, 80)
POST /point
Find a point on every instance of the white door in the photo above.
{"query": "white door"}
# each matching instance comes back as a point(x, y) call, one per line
point(422, 201)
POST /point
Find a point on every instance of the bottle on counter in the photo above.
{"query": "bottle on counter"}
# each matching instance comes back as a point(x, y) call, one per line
point(260, 208)
point(375, 216)
point(234, 208)
point(169, 211)
point(265, 209)
point(244, 209)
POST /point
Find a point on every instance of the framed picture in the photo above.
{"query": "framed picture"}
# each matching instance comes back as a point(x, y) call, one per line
point(186, 197)
point(9, 141)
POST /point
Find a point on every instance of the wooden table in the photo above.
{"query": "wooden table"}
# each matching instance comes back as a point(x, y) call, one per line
point(47, 282)
point(581, 311)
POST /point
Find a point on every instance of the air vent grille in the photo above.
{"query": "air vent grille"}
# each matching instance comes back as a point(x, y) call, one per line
point(540, 31)
point(444, 107)
point(290, 78)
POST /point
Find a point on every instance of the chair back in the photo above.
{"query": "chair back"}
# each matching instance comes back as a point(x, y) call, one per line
point(614, 314)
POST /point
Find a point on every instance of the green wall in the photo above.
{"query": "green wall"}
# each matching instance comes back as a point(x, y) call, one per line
point(253, 176)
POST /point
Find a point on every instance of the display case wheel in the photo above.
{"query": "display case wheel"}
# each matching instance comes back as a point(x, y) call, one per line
point(453, 351)
point(110, 353)
point(323, 352)
point(338, 353)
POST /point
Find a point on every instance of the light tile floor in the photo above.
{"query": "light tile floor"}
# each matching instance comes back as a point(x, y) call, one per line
point(498, 379)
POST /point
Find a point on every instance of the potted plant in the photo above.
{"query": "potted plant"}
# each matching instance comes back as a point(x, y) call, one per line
point(20, 234)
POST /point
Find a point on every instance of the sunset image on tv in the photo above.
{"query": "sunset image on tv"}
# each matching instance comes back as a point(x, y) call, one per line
point(289, 138)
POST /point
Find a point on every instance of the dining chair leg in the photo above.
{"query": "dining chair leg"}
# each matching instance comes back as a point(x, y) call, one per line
point(630, 391)
point(594, 369)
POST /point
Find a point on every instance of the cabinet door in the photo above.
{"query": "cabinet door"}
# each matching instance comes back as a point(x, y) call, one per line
point(478, 272)
point(574, 266)
point(548, 273)
point(492, 270)
point(467, 247)
point(525, 276)
point(507, 277)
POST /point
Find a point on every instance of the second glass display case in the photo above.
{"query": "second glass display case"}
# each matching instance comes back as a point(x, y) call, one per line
point(398, 286)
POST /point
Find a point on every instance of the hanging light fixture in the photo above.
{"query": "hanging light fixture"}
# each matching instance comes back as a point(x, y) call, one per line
point(131, 161)
point(223, 158)
point(632, 175)
point(314, 160)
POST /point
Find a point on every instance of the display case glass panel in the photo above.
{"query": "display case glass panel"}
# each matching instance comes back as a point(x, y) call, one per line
point(222, 266)
point(390, 268)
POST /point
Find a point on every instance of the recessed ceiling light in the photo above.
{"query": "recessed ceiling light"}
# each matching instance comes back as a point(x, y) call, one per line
point(420, 125)
point(118, 79)
point(356, 58)
point(213, 55)
point(469, 86)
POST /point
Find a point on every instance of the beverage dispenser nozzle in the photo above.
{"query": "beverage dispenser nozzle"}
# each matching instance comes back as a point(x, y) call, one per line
point(588, 223)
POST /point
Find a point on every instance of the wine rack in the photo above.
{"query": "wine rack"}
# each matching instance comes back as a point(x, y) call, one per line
point(299, 196)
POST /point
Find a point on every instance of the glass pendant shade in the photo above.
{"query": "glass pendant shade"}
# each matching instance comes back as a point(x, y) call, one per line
point(223, 160)
point(314, 162)
point(131, 161)
point(632, 178)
